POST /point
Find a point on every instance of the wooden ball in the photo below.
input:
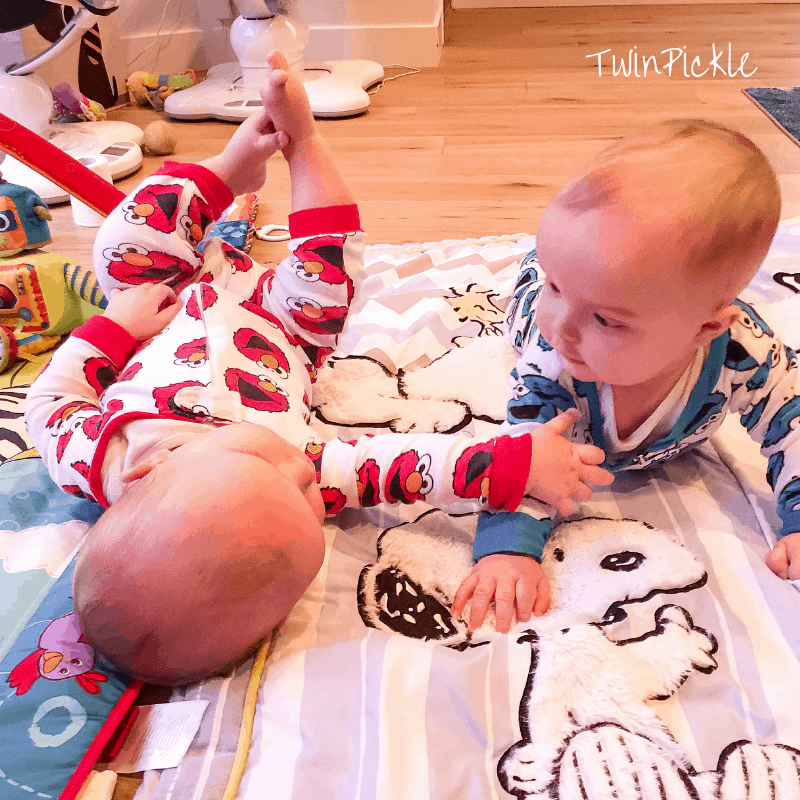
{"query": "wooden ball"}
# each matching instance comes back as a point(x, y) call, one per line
point(159, 138)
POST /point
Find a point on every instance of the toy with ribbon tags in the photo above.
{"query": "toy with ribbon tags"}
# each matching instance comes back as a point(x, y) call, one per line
point(23, 219)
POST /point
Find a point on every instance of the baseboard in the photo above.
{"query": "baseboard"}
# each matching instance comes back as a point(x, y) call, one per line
point(414, 45)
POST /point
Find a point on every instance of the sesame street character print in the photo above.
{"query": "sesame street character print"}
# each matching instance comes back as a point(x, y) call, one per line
point(63, 653)
point(408, 478)
point(100, 373)
point(314, 452)
point(786, 420)
point(165, 400)
point(535, 398)
point(82, 417)
point(256, 347)
point(130, 372)
point(133, 264)
point(92, 426)
point(239, 261)
point(263, 285)
point(208, 297)
point(322, 259)
point(256, 391)
point(155, 206)
point(196, 221)
point(368, 483)
point(315, 318)
point(61, 415)
point(82, 468)
point(333, 499)
point(471, 478)
point(192, 354)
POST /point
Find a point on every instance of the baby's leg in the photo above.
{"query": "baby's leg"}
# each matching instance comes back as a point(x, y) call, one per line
point(152, 236)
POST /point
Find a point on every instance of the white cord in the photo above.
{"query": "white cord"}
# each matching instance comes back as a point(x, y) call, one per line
point(155, 38)
point(411, 71)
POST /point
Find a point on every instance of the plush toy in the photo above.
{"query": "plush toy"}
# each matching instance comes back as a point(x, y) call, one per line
point(144, 87)
point(23, 219)
point(42, 297)
point(71, 106)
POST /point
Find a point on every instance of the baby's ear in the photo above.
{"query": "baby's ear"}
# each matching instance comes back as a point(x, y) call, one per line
point(719, 323)
point(145, 467)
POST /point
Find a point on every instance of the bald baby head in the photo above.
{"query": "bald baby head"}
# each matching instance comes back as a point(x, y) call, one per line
point(708, 188)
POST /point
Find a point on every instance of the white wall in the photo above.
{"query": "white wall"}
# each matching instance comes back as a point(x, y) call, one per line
point(169, 36)
point(194, 33)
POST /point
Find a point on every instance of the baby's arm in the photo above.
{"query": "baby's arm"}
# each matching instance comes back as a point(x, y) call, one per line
point(508, 546)
point(454, 471)
point(767, 394)
point(62, 411)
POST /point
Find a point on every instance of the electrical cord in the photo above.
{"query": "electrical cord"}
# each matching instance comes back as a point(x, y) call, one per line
point(411, 71)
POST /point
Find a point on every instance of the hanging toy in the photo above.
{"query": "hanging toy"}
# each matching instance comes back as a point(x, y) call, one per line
point(23, 219)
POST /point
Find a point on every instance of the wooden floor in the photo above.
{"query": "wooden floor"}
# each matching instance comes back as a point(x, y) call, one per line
point(477, 145)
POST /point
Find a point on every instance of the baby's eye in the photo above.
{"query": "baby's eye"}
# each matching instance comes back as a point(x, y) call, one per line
point(607, 323)
point(554, 288)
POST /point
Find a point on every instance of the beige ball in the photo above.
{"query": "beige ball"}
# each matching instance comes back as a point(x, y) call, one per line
point(160, 138)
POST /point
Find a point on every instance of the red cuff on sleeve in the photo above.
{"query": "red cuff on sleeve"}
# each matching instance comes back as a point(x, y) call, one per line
point(216, 192)
point(510, 468)
point(109, 337)
point(331, 219)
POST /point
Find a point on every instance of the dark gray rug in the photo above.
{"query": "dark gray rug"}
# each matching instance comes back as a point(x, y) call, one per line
point(782, 106)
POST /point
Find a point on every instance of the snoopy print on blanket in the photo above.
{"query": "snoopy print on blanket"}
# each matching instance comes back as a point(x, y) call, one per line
point(589, 728)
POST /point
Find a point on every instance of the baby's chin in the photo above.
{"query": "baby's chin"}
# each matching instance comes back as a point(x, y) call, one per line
point(577, 369)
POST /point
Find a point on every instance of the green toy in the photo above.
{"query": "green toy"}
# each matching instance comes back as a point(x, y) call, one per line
point(42, 297)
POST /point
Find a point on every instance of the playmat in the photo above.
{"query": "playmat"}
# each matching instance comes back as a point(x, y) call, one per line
point(669, 666)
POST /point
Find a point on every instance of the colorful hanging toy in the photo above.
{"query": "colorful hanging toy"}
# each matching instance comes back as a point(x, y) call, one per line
point(42, 295)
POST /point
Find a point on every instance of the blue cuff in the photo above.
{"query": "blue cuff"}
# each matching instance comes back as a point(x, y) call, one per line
point(510, 532)
point(788, 508)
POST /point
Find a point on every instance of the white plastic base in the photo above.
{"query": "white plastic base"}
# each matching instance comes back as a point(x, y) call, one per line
point(119, 142)
point(334, 88)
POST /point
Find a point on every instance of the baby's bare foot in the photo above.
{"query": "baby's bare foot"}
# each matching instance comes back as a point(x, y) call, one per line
point(285, 101)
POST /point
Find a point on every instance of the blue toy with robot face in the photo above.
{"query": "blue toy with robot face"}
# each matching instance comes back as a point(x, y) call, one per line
point(23, 219)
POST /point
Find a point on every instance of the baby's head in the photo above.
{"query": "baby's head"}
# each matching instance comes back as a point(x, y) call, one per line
point(205, 552)
point(646, 249)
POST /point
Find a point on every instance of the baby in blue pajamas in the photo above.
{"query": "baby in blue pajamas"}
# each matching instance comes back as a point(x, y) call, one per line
point(627, 312)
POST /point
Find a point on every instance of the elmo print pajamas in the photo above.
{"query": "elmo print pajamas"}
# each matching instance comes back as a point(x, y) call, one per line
point(245, 347)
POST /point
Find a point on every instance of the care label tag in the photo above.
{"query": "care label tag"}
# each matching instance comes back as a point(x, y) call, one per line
point(160, 736)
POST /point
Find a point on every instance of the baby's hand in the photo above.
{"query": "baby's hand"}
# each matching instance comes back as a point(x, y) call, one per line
point(143, 310)
point(517, 584)
point(784, 560)
point(561, 469)
point(242, 165)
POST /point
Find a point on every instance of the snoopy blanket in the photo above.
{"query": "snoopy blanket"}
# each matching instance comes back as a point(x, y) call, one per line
point(668, 667)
